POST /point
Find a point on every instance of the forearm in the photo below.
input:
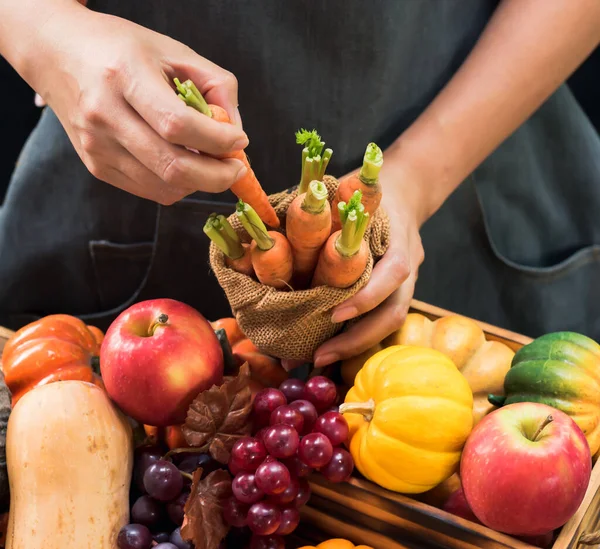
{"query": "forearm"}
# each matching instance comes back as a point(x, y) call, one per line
point(527, 50)
point(25, 29)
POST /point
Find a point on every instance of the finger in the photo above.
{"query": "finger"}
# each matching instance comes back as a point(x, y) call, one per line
point(369, 331)
point(387, 276)
point(218, 86)
point(156, 102)
point(175, 165)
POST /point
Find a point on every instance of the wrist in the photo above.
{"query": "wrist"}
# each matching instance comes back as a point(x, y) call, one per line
point(30, 32)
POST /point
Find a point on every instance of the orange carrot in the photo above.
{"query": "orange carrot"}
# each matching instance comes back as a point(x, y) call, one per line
point(270, 251)
point(237, 253)
point(248, 187)
point(366, 181)
point(308, 226)
point(345, 255)
point(314, 158)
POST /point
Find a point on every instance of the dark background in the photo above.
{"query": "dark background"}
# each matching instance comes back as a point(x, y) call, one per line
point(18, 114)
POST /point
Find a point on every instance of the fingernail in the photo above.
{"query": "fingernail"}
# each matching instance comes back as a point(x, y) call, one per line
point(241, 144)
point(237, 118)
point(345, 313)
point(326, 359)
point(238, 164)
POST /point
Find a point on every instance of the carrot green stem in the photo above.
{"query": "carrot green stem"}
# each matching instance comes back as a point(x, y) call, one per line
point(314, 159)
point(354, 221)
point(254, 226)
point(218, 229)
point(190, 94)
point(372, 163)
point(315, 197)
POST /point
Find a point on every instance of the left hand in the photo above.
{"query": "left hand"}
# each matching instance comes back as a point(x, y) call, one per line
point(387, 296)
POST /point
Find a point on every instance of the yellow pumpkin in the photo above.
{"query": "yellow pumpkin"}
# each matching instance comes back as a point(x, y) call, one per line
point(337, 543)
point(483, 363)
point(409, 413)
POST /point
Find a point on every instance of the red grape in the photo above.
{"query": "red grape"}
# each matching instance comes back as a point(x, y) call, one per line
point(303, 493)
point(264, 518)
point(166, 545)
point(340, 466)
point(192, 461)
point(290, 518)
point(321, 391)
point(162, 537)
point(175, 508)
point(281, 441)
point(272, 477)
point(297, 467)
point(137, 536)
point(288, 495)
point(234, 512)
point(163, 481)
point(245, 488)
point(288, 416)
point(144, 457)
point(248, 453)
point(309, 413)
point(178, 541)
point(146, 511)
point(265, 402)
point(267, 542)
point(292, 389)
point(261, 433)
point(334, 426)
point(315, 450)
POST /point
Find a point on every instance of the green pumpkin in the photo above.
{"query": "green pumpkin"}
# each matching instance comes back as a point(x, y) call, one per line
point(562, 370)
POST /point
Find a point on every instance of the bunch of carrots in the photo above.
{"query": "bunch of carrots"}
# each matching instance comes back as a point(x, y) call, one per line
point(324, 242)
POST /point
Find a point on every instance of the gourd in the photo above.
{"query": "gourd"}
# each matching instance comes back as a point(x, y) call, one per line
point(53, 348)
point(409, 413)
point(562, 370)
point(70, 458)
point(483, 363)
point(337, 543)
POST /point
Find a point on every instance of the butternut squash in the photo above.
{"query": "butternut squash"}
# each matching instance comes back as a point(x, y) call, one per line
point(70, 458)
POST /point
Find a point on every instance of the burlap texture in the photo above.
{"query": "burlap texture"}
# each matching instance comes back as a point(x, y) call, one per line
point(291, 324)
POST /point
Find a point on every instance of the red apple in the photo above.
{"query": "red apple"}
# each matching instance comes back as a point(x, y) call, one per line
point(156, 357)
point(457, 505)
point(525, 469)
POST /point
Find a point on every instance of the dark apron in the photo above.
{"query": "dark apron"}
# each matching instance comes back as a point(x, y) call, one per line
point(513, 246)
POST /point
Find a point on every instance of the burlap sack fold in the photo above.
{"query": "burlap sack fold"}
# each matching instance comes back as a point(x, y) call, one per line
point(291, 324)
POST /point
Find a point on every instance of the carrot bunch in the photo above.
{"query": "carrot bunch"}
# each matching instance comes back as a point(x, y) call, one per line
point(324, 242)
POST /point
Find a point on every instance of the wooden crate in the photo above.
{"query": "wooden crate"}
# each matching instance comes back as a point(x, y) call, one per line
point(366, 513)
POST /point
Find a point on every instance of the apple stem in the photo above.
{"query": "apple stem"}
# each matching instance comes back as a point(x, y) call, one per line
point(160, 321)
point(549, 419)
point(365, 409)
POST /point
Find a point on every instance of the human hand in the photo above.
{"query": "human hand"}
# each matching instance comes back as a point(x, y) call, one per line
point(387, 295)
point(108, 81)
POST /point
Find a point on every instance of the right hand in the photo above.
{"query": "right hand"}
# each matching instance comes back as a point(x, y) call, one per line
point(109, 81)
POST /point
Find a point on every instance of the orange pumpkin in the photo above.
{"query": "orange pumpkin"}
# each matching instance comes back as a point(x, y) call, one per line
point(171, 436)
point(53, 348)
point(337, 543)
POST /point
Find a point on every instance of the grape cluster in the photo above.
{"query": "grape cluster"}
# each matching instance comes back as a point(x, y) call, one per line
point(159, 493)
point(299, 431)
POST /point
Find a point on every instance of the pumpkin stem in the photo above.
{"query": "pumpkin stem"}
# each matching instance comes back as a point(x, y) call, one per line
point(160, 321)
point(549, 419)
point(365, 409)
point(497, 400)
point(95, 364)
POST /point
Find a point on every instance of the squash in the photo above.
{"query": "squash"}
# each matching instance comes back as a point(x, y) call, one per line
point(562, 370)
point(337, 543)
point(483, 363)
point(70, 458)
point(410, 412)
point(53, 348)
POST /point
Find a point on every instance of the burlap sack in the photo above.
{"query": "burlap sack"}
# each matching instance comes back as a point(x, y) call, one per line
point(291, 324)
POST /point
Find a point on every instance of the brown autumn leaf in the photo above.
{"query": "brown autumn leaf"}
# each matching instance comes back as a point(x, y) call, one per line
point(221, 415)
point(203, 522)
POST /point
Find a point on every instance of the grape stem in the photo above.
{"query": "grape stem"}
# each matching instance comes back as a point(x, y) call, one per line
point(365, 409)
point(186, 475)
point(174, 451)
